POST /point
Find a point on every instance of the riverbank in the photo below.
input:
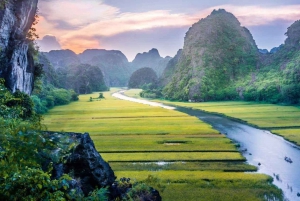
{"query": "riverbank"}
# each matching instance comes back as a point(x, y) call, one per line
point(278, 119)
point(266, 151)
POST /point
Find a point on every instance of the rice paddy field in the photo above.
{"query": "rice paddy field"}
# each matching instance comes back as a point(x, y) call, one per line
point(181, 156)
point(279, 119)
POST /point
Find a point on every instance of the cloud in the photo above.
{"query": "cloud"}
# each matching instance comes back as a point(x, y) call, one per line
point(79, 24)
point(258, 16)
point(77, 13)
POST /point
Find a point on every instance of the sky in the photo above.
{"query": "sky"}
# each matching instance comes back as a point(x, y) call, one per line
point(136, 26)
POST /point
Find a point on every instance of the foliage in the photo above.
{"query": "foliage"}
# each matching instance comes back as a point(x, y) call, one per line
point(224, 64)
point(21, 143)
point(31, 34)
point(151, 91)
point(24, 149)
point(16, 105)
point(49, 96)
point(85, 79)
point(224, 53)
point(139, 191)
point(143, 77)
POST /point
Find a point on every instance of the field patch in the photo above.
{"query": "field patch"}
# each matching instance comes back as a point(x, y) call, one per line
point(181, 152)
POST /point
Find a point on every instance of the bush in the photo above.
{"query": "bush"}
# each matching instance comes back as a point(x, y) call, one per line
point(61, 96)
point(39, 106)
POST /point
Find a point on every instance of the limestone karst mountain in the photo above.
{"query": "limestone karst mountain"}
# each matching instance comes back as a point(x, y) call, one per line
point(142, 77)
point(113, 63)
point(217, 52)
point(150, 59)
point(220, 61)
point(16, 57)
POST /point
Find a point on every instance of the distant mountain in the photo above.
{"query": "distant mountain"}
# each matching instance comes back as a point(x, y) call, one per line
point(82, 78)
point(142, 77)
point(150, 59)
point(263, 51)
point(62, 58)
point(113, 64)
point(48, 43)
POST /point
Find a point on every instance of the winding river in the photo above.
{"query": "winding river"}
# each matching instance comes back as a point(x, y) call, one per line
point(261, 148)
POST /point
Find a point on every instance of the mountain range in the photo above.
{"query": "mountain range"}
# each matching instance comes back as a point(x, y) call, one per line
point(113, 63)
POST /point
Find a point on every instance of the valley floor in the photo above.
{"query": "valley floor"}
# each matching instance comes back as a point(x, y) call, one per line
point(181, 156)
point(279, 119)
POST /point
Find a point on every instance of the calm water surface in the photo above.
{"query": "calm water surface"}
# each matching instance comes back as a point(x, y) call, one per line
point(263, 148)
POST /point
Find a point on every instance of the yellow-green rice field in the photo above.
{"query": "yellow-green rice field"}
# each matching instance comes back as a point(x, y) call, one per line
point(279, 119)
point(181, 156)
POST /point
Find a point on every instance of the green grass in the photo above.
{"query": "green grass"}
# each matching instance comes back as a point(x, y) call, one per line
point(135, 139)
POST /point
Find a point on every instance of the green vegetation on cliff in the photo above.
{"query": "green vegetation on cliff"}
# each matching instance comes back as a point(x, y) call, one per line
point(278, 78)
point(143, 76)
point(217, 52)
point(220, 61)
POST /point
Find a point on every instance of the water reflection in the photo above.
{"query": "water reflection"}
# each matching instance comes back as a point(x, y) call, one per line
point(262, 149)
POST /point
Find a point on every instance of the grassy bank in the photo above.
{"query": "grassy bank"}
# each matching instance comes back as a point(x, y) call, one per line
point(191, 160)
point(279, 119)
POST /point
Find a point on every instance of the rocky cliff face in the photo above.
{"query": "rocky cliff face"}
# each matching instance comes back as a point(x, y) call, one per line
point(170, 69)
point(150, 59)
point(17, 65)
point(217, 52)
point(89, 170)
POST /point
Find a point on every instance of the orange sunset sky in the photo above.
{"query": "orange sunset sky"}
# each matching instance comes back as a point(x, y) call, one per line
point(134, 26)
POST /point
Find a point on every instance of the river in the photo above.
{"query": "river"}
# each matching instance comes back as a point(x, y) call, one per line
point(260, 147)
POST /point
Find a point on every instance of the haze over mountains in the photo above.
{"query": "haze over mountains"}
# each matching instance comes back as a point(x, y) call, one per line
point(113, 63)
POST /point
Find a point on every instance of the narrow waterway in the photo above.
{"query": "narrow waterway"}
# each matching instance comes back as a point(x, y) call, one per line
point(261, 148)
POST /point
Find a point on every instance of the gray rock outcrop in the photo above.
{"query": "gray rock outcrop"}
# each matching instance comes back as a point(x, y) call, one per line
point(83, 163)
point(17, 65)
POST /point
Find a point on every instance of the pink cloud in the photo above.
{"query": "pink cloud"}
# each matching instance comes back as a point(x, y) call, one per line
point(94, 19)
